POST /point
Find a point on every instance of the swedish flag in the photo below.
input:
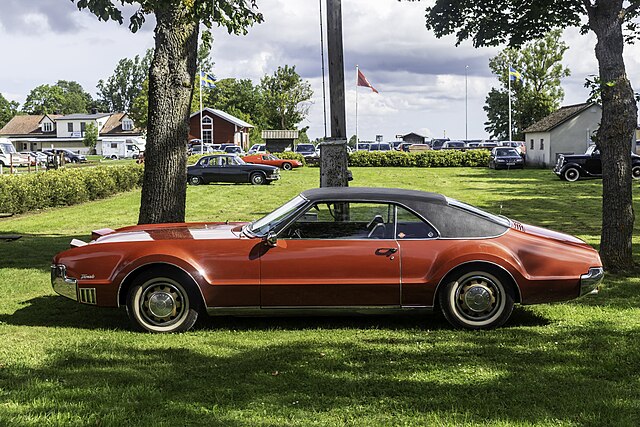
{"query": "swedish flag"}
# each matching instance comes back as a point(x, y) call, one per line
point(513, 74)
point(207, 80)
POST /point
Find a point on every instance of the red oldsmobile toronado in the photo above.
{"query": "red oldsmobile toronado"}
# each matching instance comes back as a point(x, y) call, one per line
point(330, 250)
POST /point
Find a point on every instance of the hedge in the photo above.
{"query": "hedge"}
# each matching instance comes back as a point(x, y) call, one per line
point(424, 159)
point(63, 187)
point(290, 155)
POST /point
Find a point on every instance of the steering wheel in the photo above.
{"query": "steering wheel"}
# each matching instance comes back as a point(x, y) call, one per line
point(294, 233)
point(375, 221)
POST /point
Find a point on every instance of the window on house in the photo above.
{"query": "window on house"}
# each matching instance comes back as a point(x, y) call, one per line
point(207, 136)
point(127, 124)
point(47, 127)
point(532, 144)
point(70, 127)
point(206, 120)
point(83, 126)
point(542, 143)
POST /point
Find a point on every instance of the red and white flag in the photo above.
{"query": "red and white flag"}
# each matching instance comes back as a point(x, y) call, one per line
point(362, 81)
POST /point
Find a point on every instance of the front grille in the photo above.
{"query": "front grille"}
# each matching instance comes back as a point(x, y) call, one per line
point(88, 295)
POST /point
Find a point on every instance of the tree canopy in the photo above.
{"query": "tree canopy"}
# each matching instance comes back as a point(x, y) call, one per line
point(8, 109)
point(64, 97)
point(286, 98)
point(120, 90)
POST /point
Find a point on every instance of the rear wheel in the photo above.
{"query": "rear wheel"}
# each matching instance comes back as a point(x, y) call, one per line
point(571, 174)
point(635, 172)
point(195, 180)
point(257, 178)
point(286, 166)
point(163, 301)
point(477, 299)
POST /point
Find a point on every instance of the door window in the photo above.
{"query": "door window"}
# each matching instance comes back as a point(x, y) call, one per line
point(344, 220)
point(410, 226)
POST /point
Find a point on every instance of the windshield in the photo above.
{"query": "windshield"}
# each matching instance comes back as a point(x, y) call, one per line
point(305, 147)
point(236, 161)
point(506, 152)
point(495, 218)
point(262, 226)
point(8, 148)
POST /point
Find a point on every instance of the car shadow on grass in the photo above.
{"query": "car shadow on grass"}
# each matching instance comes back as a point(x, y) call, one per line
point(33, 251)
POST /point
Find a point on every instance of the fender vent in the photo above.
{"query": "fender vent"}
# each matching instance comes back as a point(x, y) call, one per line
point(517, 225)
point(87, 295)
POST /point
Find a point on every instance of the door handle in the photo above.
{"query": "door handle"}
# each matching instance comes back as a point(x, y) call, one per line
point(386, 251)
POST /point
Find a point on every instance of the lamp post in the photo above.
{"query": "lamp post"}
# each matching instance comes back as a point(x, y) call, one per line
point(466, 103)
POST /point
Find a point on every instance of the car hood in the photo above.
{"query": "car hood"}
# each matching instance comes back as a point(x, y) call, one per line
point(179, 231)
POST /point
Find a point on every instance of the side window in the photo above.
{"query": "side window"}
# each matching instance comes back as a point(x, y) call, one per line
point(409, 226)
point(542, 143)
point(343, 220)
point(532, 147)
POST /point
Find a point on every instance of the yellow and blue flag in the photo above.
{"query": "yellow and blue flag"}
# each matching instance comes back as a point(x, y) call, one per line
point(513, 74)
point(207, 80)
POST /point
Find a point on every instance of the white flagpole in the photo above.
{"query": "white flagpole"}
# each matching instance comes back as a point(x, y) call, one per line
point(509, 80)
point(357, 75)
point(201, 132)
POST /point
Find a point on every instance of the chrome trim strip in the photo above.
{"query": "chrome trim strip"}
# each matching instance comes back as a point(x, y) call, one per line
point(589, 282)
point(158, 262)
point(255, 311)
point(486, 262)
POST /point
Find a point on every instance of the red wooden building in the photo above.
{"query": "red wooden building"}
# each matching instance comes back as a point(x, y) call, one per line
point(219, 127)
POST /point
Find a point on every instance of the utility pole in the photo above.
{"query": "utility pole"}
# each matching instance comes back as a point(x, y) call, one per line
point(333, 153)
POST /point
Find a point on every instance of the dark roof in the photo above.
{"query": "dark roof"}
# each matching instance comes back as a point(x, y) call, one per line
point(374, 194)
point(558, 117)
point(225, 116)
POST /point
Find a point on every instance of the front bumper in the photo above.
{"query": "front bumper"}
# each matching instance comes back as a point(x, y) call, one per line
point(63, 285)
point(273, 177)
point(589, 282)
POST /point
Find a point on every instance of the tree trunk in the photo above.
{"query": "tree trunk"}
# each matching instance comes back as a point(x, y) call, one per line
point(617, 128)
point(171, 78)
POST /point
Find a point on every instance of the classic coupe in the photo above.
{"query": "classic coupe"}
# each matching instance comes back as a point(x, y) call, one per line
point(270, 159)
point(230, 168)
point(572, 167)
point(505, 158)
point(329, 251)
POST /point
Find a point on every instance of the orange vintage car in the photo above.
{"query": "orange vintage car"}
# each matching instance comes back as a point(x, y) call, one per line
point(330, 250)
point(271, 160)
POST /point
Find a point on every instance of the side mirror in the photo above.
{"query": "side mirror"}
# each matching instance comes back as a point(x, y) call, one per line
point(271, 239)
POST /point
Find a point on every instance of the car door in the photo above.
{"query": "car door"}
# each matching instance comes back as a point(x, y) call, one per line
point(593, 164)
point(335, 255)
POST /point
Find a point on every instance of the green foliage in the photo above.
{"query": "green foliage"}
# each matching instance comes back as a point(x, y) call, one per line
point(352, 141)
point(286, 98)
point(140, 107)
point(8, 109)
point(303, 138)
point(121, 89)
point(424, 159)
point(290, 155)
point(90, 135)
point(28, 192)
point(65, 97)
point(535, 96)
point(234, 96)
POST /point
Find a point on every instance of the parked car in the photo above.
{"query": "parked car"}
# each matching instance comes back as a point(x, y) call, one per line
point(488, 144)
point(270, 159)
point(453, 145)
point(520, 146)
point(404, 146)
point(380, 146)
point(39, 156)
point(257, 149)
point(69, 156)
point(201, 149)
point(9, 155)
point(572, 167)
point(233, 149)
point(307, 150)
point(413, 148)
point(505, 158)
point(229, 168)
point(436, 143)
point(362, 146)
point(330, 249)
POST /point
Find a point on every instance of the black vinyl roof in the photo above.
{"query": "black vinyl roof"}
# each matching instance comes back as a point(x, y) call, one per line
point(373, 194)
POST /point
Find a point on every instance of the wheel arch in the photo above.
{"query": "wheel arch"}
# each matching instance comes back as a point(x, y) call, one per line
point(489, 266)
point(130, 277)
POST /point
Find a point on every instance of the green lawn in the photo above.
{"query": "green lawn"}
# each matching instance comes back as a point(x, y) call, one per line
point(563, 364)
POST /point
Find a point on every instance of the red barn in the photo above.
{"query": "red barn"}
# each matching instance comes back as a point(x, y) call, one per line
point(219, 127)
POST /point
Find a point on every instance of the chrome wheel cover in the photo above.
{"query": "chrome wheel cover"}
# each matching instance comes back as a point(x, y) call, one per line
point(477, 298)
point(162, 303)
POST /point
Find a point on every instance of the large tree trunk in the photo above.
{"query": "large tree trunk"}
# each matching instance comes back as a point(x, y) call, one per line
point(170, 90)
point(619, 119)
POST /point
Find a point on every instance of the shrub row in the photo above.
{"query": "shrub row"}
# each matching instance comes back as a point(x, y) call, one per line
point(424, 159)
point(69, 186)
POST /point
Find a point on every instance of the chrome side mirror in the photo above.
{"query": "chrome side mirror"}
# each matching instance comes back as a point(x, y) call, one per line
point(271, 239)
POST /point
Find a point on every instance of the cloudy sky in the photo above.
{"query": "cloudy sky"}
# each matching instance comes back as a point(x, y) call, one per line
point(421, 79)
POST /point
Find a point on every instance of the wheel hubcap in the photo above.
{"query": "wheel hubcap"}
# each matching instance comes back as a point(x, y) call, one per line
point(162, 304)
point(477, 298)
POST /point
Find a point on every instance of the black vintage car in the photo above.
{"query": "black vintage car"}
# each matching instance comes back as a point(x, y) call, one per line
point(230, 168)
point(505, 158)
point(571, 167)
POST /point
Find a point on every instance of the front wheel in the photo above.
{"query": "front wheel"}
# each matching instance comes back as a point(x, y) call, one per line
point(635, 171)
point(163, 302)
point(286, 166)
point(257, 178)
point(477, 300)
point(571, 174)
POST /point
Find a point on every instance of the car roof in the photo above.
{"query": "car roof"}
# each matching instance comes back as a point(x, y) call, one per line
point(374, 194)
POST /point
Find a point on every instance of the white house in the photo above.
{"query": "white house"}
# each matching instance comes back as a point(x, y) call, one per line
point(567, 130)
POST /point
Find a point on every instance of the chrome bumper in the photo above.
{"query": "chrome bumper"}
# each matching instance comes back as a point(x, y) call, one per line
point(589, 282)
point(63, 285)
